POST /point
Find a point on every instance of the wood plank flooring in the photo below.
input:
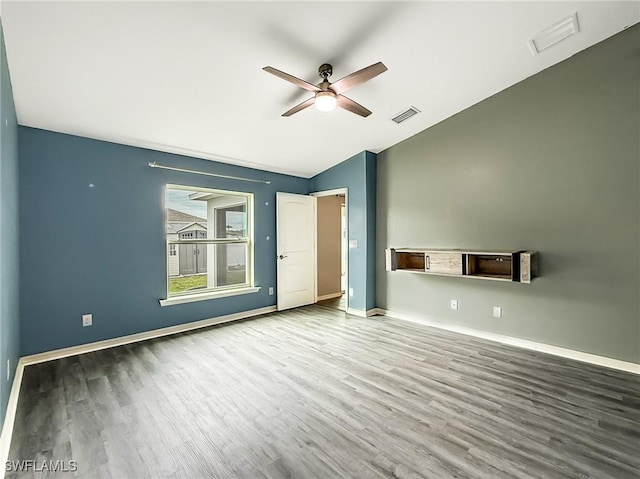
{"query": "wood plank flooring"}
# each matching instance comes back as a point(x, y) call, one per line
point(339, 303)
point(310, 393)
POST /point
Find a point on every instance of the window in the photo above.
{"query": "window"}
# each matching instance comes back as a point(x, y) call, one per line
point(209, 241)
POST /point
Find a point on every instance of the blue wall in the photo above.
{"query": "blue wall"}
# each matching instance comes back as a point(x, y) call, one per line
point(358, 174)
point(371, 174)
point(101, 250)
point(9, 295)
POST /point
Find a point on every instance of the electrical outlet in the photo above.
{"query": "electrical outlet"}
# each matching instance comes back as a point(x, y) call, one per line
point(271, 291)
point(497, 312)
point(87, 320)
point(351, 292)
point(454, 304)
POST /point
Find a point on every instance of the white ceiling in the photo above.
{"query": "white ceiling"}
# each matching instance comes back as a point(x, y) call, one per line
point(187, 77)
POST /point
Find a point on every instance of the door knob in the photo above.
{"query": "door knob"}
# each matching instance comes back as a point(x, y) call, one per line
point(282, 257)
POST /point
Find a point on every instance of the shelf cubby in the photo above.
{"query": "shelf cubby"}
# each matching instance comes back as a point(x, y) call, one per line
point(516, 266)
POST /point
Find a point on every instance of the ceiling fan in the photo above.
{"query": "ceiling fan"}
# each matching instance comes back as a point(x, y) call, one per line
point(328, 95)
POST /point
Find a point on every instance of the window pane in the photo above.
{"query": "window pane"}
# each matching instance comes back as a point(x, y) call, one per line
point(185, 207)
point(229, 264)
point(196, 266)
point(203, 214)
point(231, 221)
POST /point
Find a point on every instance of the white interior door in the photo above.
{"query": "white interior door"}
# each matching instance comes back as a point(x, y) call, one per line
point(296, 232)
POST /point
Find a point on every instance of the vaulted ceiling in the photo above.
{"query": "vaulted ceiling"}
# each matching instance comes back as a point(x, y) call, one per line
point(186, 77)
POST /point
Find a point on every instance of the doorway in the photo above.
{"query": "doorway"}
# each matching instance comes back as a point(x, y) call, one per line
point(332, 249)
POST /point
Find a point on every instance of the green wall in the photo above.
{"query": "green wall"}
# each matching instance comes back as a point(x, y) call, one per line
point(550, 164)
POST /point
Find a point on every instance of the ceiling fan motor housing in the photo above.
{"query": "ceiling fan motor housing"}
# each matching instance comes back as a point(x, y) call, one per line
point(325, 70)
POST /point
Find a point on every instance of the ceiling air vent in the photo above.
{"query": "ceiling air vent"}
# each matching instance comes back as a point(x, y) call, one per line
point(557, 32)
point(405, 115)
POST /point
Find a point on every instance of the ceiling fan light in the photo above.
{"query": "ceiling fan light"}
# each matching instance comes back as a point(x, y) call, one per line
point(326, 101)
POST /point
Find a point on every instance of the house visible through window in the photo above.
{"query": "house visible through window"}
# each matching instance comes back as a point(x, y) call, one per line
point(208, 234)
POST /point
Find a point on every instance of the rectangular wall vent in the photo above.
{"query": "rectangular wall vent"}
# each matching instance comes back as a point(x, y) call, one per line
point(555, 33)
point(405, 115)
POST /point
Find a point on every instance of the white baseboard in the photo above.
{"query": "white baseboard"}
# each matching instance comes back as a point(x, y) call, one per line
point(365, 314)
point(134, 338)
point(329, 296)
point(522, 343)
point(10, 416)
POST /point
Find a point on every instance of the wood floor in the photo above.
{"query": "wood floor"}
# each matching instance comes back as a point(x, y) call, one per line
point(311, 393)
point(339, 303)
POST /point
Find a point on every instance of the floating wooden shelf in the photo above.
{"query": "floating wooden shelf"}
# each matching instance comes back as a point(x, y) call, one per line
point(518, 266)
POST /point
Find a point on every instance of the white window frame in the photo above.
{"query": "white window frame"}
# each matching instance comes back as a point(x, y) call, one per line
point(219, 291)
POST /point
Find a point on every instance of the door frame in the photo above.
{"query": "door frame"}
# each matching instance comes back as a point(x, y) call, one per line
point(336, 191)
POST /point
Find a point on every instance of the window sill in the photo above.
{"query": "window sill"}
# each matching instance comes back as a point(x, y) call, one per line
point(190, 298)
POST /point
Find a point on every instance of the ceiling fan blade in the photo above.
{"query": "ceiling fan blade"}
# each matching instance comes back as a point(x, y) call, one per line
point(292, 79)
point(299, 107)
point(350, 105)
point(358, 77)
